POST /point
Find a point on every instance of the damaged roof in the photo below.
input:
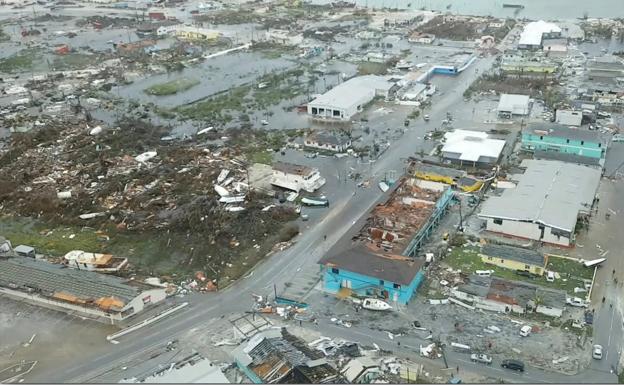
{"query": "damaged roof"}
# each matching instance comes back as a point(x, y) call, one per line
point(549, 192)
point(50, 279)
point(291, 168)
point(519, 254)
point(365, 260)
point(565, 132)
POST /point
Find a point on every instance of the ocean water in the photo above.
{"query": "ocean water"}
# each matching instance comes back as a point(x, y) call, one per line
point(533, 9)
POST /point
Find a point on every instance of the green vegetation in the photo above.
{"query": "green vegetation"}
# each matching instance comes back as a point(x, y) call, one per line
point(261, 156)
point(20, 61)
point(213, 109)
point(172, 87)
point(372, 68)
point(3, 35)
point(467, 259)
point(565, 266)
point(74, 61)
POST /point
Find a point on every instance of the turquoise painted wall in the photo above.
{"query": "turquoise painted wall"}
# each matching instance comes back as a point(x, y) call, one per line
point(364, 285)
point(534, 142)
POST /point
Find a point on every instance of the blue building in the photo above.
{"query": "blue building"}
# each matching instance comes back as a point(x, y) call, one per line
point(558, 138)
point(369, 272)
point(384, 262)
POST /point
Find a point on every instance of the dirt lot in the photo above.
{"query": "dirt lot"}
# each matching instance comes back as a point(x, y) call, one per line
point(58, 337)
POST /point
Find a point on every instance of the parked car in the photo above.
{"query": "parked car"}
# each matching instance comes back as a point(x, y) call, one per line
point(513, 365)
point(618, 138)
point(524, 273)
point(525, 331)
point(482, 358)
point(576, 301)
point(550, 276)
point(597, 352)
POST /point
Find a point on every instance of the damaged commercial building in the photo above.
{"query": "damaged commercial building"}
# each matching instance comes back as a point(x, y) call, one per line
point(512, 104)
point(559, 138)
point(383, 261)
point(349, 98)
point(193, 369)
point(327, 141)
point(546, 203)
point(534, 33)
point(471, 148)
point(277, 357)
point(296, 177)
point(82, 292)
point(504, 296)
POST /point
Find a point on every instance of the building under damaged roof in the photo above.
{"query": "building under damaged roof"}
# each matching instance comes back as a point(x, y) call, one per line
point(383, 261)
point(87, 293)
point(511, 296)
point(546, 203)
point(276, 356)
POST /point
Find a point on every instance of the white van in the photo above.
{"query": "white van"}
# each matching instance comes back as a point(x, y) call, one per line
point(484, 273)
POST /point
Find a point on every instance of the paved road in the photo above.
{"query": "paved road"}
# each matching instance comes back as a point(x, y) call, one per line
point(280, 267)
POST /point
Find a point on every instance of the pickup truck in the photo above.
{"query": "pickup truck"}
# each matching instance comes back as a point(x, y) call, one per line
point(482, 358)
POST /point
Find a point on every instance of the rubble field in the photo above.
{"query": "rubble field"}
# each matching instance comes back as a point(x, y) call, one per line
point(466, 28)
point(139, 196)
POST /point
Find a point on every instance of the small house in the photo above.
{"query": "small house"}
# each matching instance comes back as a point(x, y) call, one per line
point(328, 142)
point(514, 258)
point(512, 104)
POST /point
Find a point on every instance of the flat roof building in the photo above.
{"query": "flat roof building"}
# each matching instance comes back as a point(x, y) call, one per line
point(471, 148)
point(545, 204)
point(514, 258)
point(533, 34)
point(513, 104)
point(193, 369)
point(88, 293)
point(559, 138)
point(348, 98)
point(296, 177)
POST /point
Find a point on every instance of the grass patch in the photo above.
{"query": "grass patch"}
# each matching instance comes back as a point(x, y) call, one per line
point(372, 68)
point(171, 87)
point(74, 61)
point(214, 109)
point(467, 259)
point(20, 61)
point(261, 156)
point(3, 35)
point(565, 266)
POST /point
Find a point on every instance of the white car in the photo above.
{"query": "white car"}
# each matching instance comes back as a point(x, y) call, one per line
point(482, 358)
point(550, 276)
point(525, 331)
point(597, 352)
point(576, 301)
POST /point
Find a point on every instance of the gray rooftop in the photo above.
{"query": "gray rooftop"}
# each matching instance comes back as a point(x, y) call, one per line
point(565, 132)
point(550, 192)
point(360, 259)
point(23, 273)
point(291, 168)
point(519, 254)
point(567, 157)
point(343, 95)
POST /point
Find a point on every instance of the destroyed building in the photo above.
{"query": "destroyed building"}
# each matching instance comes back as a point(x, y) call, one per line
point(276, 356)
point(193, 369)
point(504, 296)
point(383, 260)
point(296, 177)
point(82, 292)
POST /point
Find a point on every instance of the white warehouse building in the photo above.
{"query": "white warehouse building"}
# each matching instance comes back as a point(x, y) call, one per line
point(545, 204)
point(348, 98)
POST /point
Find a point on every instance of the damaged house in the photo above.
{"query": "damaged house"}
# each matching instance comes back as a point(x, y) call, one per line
point(296, 177)
point(276, 356)
point(78, 291)
point(504, 296)
point(383, 261)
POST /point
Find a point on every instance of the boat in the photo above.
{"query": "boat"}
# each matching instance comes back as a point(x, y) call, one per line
point(506, 5)
point(594, 262)
point(234, 209)
point(232, 199)
point(375, 304)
